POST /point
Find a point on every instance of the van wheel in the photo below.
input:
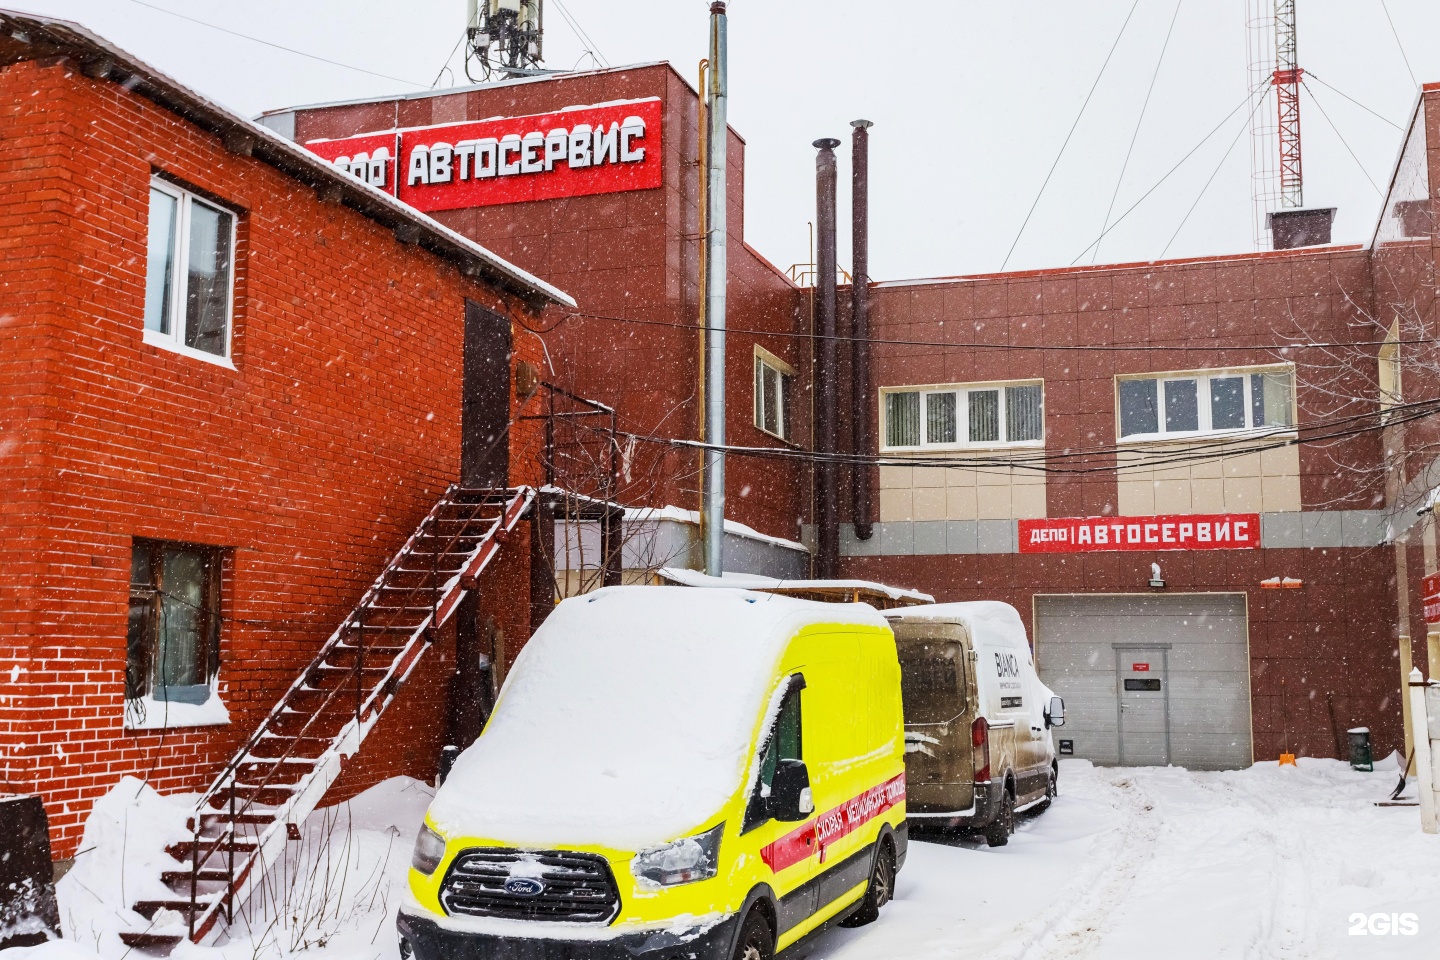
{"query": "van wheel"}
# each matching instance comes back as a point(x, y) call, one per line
point(1052, 789)
point(756, 940)
point(878, 892)
point(997, 834)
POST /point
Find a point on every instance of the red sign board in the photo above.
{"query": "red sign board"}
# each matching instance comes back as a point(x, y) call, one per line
point(1139, 668)
point(576, 152)
point(1231, 531)
point(1430, 591)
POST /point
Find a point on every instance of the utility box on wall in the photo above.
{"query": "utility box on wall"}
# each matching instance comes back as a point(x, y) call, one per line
point(29, 912)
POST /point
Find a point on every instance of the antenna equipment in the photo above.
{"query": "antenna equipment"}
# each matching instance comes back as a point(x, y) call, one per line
point(504, 39)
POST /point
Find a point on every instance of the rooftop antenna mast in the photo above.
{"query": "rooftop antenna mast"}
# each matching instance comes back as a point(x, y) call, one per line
point(1275, 156)
point(504, 39)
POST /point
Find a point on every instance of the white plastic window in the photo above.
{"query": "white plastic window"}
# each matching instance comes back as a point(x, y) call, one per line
point(190, 274)
point(1200, 404)
point(772, 397)
point(982, 415)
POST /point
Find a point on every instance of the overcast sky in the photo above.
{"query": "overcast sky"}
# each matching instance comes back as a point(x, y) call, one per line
point(971, 103)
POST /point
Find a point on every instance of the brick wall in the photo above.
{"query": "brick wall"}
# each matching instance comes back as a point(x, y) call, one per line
point(309, 463)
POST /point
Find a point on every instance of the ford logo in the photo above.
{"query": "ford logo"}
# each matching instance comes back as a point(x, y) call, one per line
point(524, 886)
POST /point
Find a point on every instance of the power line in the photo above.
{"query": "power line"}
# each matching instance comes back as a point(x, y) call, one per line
point(1078, 117)
point(446, 65)
point(1311, 76)
point(1396, 34)
point(1171, 172)
point(1135, 136)
point(591, 47)
point(943, 344)
point(275, 46)
point(1346, 143)
point(1203, 190)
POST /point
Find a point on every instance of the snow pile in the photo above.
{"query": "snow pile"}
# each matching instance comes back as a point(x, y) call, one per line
point(628, 719)
point(337, 889)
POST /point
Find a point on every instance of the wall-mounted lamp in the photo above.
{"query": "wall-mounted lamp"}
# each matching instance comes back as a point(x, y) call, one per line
point(1157, 582)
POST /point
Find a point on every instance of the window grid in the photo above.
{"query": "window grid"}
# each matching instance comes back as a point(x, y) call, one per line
point(772, 399)
point(982, 415)
point(1201, 404)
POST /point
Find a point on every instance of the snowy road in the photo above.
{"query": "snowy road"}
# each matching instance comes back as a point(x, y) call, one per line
point(1263, 864)
point(1131, 863)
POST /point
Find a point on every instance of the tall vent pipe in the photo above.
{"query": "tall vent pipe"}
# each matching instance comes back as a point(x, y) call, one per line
point(860, 400)
point(827, 514)
point(713, 495)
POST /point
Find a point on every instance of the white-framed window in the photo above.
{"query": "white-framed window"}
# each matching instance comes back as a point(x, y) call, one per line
point(774, 385)
point(970, 415)
point(189, 274)
point(1205, 403)
point(1390, 380)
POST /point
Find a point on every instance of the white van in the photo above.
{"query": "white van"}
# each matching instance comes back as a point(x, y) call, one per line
point(977, 718)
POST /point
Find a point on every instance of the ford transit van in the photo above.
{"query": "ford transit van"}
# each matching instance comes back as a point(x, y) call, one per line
point(977, 717)
point(671, 774)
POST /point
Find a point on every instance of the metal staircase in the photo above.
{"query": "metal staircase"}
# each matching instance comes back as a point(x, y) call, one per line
point(241, 823)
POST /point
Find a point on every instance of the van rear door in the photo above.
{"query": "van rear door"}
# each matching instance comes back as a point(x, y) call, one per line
point(937, 714)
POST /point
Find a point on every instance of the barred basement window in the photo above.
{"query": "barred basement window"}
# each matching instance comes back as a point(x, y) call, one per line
point(980, 415)
point(189, 274)
point(1201, 404)
point(173, 641)
point(774, 380)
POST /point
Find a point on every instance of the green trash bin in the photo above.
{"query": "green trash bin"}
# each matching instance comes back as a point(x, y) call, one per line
point(1360, 758)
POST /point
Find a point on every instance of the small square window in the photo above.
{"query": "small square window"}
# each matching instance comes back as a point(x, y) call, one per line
point(1227, 403)
point(940, 418)
point(1182, 406)
point(902, 419)
point(189, 273)
point(1139, 408)
point(984, 416)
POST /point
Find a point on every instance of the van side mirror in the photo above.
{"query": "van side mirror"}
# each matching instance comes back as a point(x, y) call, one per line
point(1055, 714)
point(790, 798)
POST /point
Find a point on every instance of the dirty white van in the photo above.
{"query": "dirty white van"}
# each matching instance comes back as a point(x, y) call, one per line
point(671, 774)
point(977, 718)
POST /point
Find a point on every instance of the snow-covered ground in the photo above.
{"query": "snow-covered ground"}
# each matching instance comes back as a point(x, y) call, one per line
point(1134, 863)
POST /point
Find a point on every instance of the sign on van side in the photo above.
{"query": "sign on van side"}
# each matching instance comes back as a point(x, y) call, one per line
point(1230, 531)
point(575, 152)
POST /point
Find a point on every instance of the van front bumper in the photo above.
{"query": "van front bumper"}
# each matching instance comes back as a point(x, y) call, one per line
point(430, 941)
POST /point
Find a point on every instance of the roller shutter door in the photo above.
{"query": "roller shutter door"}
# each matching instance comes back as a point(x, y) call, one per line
point(1149, 679)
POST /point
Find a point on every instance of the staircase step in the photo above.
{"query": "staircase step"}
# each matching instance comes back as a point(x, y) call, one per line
point(185, 849)
point(279, 772)
point(275, 747)
point(208, 820)
point(271, 796)
point(154, 944)
point(204, 876)
point(148, 908)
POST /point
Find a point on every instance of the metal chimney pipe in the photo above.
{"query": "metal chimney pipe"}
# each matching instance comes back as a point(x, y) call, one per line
point(713, 496)
point(860, 400)
point(827, 512)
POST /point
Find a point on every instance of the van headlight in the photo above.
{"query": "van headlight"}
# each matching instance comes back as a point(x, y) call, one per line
point(680, 861)
point(429, 850)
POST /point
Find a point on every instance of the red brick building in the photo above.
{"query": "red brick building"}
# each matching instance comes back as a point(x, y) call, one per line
point(232, 384)
point(1250, 647)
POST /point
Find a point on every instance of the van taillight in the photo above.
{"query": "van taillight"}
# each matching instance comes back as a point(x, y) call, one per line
point(980, 752)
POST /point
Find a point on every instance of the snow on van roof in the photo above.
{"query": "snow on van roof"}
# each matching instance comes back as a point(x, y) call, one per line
point(628, 718)
point(990, 622)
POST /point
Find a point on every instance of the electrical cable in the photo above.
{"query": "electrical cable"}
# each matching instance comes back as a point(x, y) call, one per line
point(591, 47)
point(941, 344)
point(1396, 34)
point(446, 65)
point(1343, 141)
point(1205, 189)
point(1193, 150)
point(1135, 136)
point(1068, 136)
point(276, 46)
point(1309, 75)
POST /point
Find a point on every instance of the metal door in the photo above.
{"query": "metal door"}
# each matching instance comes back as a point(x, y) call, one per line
point(1142, 680)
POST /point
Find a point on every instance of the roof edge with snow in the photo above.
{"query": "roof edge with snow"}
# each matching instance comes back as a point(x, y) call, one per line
point(25, 37)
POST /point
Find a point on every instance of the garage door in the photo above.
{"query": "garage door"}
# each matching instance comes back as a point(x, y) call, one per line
point(1149, 679)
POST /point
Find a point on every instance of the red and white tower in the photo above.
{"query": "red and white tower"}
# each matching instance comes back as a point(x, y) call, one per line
point(1286, 78)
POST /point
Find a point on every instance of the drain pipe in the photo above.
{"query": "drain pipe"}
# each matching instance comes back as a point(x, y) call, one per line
point(715, 269)
point(863, 417)
point(827, 514)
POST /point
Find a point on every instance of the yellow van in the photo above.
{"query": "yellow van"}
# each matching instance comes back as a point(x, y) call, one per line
point(671, 774)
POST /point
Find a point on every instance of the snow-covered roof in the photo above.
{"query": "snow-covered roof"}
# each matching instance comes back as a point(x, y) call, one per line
point(990, 622)
point(25, 36)
point(629, 718)
point(750, 581)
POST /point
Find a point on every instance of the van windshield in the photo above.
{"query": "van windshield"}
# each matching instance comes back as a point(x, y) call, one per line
point(932, 682)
